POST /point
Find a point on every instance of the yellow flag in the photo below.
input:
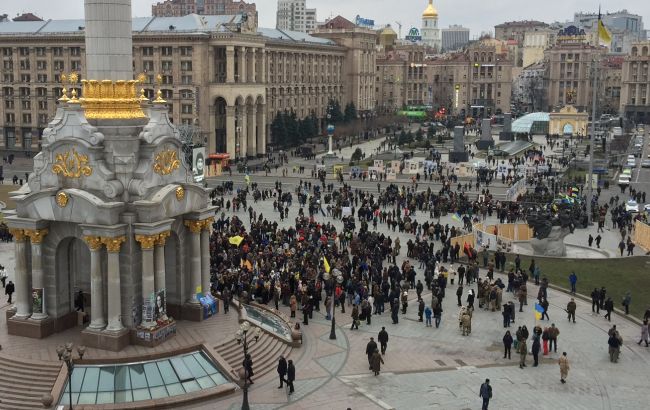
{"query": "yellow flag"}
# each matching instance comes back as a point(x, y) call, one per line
point(604, 37)
point(326, 265)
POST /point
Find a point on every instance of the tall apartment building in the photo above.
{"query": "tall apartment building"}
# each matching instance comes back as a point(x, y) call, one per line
point(454, 38)
point(360, 58)
point(635, 83)
point(293, 15)
point(230, 82)
point(624, 27)
point(179, 8)
point(402, 78)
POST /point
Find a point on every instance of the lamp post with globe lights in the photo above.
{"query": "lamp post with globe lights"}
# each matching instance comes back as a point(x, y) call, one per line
point(246, 340)
point(65, 355)
point(338, 278)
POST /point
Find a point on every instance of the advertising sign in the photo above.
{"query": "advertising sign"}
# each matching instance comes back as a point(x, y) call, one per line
point(198, 163)
point(362, 22)
point(161, 304)
point(413, 35)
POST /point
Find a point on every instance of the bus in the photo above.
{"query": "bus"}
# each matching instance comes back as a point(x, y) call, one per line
point(416, 112)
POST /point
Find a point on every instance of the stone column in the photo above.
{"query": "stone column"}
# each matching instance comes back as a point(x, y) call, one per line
point(253, 66)
point(230, 131)
point(261, 129)
point(230, 64)
point(251, 145)
point(195, 228)
point(242, 64)
point(148, 285)
point(36, 237)
point(97, 321)
point(263, 67)
point(108, 33)
point(205, 255)
point(23, 305)
point(159, 255)
point(243, 133)
point(114, 292)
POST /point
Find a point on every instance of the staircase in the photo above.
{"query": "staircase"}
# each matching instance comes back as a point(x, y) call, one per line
point(265, 354)
point(23, 383)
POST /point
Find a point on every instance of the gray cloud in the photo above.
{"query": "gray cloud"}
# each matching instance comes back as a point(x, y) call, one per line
point(478, 15)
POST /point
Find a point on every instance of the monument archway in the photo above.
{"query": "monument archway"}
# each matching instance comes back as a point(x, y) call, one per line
point(567, 129)
point(72, 261)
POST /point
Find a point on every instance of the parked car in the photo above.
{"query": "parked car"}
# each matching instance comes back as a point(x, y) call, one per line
point(631, 206)
point(645, 163)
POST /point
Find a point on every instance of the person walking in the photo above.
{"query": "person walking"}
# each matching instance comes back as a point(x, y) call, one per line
point(614, 346)
point(644, 333)
point(355, 318)
point(282, 370)
point(3, 276)
point(428, 313)
point(293, 302)
point(437, 314)
point(507, 344)
point(573, 279)
point(459, 294)
point(609, 307)
point(553, 333)
point(383, 339)
point(291, 375)
point(564, 367)
point(9, 290)
point(370, 349)
point(544, 304)
point(536, 348)
point(421, 310)
point(486, 394)
point(248, 368)
point(627, 299)
point(571, 310)
point(595, 301)
point(375, 362)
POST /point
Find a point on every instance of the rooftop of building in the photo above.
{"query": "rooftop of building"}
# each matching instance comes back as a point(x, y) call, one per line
point(191, 23)
point(522, 23)
point(27, 17)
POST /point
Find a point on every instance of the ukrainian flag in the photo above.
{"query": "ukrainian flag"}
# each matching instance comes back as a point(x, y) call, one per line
point(538, 311)
point(604, 37)
point(326, 265)
point(456, 217)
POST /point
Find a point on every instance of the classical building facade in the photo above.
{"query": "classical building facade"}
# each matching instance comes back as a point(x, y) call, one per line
point(221, 73)
point(635, 87)
point(179, 8)
point(568, 70)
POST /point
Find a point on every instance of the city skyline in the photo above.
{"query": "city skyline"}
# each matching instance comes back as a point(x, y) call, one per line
point(381, 11)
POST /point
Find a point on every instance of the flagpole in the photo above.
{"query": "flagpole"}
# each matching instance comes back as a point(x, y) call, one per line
point(590, 187)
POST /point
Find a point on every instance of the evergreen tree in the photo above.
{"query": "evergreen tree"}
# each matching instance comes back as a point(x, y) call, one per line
point(279, 130)
point(334, 110)
point(293, 130)
point(350, 112)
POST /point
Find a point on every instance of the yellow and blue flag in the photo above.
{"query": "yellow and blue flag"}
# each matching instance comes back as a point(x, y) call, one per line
point(604, 37)
point(326, 265)
point(456, 217)
point(538, 311)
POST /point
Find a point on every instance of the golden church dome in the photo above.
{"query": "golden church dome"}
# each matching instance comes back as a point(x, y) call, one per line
point(430, 11)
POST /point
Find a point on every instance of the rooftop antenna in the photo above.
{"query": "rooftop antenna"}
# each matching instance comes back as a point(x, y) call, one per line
point(400, 29)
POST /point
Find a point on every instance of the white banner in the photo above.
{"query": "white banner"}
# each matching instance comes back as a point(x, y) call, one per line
point(198, 163)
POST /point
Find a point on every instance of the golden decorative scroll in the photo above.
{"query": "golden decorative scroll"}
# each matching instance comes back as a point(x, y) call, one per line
point(18, 234)
point(180, 193)
point(194, 226)
point(113, 244)
point(71, 164)
point(146, 241)
point(166, 162)
point(108, 99)
point(62, 199)
point(162, 238)
point(94, 242)
point(36, 235)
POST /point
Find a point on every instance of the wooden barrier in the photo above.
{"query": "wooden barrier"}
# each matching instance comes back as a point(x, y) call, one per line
point(642, 235)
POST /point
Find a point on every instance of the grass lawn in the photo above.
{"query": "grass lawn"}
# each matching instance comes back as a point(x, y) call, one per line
point(617, 275)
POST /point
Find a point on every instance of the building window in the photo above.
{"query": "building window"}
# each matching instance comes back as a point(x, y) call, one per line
point(10, 118)
point(147, 51)
point(57, 51)
point(24, 65)
point(40, 51)
point(42, 105)
point(186, 51)
point(7, 51)
point(27, 119)
point(24, 92)
point(147, 65)
point(26, 104)
point(59, 65)
point(167, 65)
point(186, 121)
point(9, 104)
point(167, 94)
point(168, 79)
point(8, 65)
point(23, 51)
point(167, 51)
point(42, 118)
point(186, 65)
point(186, 109)
point(75, 51)
point(187, 94)
point(41, 92)
point(41, 65)
point(186, 79)
point(75, 65)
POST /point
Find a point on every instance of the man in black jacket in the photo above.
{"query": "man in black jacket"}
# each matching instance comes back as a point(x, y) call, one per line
point(370, 349)
point(383, 339)
point(291, 376)
point(282, 369)
point(9, 290)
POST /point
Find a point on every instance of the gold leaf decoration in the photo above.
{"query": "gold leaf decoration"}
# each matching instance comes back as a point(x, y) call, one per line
point(166, 162)
point(62, 199)
point(71, 164)
point(180, 193)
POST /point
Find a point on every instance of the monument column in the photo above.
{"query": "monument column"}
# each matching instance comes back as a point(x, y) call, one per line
point(242, 64)
point(205, 255)
point(159, 255)
point(230, 64)
point(230, 131)
point(36, 237)
point(148, 285)
point(97, 321)
point(23, 307)
point(253, 66)
point(195, 228)
point(261, 129)
point(114, 293)
point(251, 145)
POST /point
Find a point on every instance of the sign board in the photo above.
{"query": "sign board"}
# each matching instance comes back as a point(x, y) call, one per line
point(413, 35)
point(395, 166)
point(161, 304)
point(594, 181)
point(198, 163)
point(363, 22)
point(378, 163)
point(485, 240)
point(337, 169)
point(391, 175)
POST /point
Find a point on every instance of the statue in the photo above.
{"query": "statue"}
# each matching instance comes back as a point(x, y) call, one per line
point(552, 224)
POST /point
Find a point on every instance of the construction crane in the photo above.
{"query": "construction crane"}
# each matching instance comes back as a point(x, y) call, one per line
point(400, 29)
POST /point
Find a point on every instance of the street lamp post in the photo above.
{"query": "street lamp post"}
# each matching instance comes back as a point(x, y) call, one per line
point(65, 355)
point(338, 276)
point(243, 340)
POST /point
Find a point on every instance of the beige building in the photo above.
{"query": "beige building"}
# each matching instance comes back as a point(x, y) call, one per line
point(220, 73)
point(515, 31)
point(568, 70)
point(179, 8)
point(635, 84)
point(536, 41)
point(402, 78)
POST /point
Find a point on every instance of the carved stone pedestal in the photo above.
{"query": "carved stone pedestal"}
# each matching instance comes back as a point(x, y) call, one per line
point(106, 340)
point(36, 329)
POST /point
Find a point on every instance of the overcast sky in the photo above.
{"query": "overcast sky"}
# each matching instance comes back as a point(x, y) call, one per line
point(478, 15)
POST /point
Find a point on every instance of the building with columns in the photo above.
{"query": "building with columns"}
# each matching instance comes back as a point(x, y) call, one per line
point(221, 73)
point(110, 213)
point(179, 8)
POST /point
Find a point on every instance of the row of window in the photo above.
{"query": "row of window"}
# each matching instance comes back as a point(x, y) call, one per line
point(56, 92)
point(58, 65)
point(40, 51)
point(26, 104)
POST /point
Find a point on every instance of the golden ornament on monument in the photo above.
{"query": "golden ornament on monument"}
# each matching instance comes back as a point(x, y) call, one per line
point(62, 199)
point(166, 162)
point(72, 164)
point(180, 193)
